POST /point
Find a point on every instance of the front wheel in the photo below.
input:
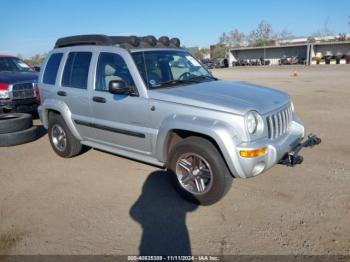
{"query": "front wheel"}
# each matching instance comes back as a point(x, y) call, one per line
point(199, 172)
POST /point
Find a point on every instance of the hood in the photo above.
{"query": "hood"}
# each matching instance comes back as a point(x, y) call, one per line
point(231, 97)
point(14, 77)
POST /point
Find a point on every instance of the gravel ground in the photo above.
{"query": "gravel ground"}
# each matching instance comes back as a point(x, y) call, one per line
point(98, 203)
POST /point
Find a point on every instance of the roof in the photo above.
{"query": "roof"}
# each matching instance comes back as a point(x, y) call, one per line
point(332, 43)
point(267, 47)
point(4, 55)
point(127, 42)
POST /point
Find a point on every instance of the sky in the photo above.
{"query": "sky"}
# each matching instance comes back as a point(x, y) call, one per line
point(30, 27)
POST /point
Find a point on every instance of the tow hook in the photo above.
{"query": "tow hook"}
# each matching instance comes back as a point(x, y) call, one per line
point(293, 158)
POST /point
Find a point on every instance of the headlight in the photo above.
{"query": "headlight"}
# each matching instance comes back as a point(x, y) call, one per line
point(251, 121)
point(292, 106)
point(4, 94)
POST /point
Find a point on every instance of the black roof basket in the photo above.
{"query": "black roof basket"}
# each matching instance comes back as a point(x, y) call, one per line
point(127, 42)
point(83, 40)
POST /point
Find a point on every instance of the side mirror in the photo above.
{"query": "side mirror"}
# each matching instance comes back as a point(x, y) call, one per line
point(118, 87)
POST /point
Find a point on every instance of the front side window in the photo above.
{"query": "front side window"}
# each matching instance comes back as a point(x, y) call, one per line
point(169, 68)
point(76, 70)
point(52, 69)
point(111, 67)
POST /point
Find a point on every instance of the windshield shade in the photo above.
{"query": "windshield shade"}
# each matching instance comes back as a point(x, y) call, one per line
point(159, 68)
point(14, 64)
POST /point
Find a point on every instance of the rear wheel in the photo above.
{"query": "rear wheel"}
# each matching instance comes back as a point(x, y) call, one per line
point(199, 172)
point(62, 140)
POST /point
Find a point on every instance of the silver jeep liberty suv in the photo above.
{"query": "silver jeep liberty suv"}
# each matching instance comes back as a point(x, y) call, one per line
point(149, 100)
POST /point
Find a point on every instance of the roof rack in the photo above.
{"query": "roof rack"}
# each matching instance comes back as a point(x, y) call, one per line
point(128, 42)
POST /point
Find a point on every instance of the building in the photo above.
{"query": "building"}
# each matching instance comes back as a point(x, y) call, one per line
point(296, 47)
point(271, 53)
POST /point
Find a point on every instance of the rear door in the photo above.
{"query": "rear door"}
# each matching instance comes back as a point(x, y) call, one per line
point(73, 88)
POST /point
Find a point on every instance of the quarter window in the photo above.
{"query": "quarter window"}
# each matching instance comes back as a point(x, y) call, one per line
point(52, 69)
point(76, 70)
point(111, 67)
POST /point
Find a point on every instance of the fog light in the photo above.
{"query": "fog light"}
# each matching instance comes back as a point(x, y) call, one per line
point(258, 169)
point(253, 153)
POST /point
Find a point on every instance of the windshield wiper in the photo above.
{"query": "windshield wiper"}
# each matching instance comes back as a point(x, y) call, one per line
point(171, 83)
point(196, 79)
point(199, 78)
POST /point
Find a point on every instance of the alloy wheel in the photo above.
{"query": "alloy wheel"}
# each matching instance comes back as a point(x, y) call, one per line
point(194, 173)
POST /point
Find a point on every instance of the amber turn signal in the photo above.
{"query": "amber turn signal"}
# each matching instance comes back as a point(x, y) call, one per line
point(253, 153)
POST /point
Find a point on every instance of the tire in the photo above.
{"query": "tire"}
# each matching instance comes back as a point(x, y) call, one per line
point(13, 122)
point(19, 137)
point(72, 146)
point(210, 160)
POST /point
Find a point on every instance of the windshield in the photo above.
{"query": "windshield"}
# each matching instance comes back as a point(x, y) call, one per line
point(169, 68)
point(14, 64)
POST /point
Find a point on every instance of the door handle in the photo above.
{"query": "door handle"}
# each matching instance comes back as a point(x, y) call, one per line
point(99, 99)
point(61, 93)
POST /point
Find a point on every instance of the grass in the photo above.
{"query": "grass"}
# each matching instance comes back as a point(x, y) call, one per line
point(9, 240)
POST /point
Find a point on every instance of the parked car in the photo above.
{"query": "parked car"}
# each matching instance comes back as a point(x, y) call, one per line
point(37, 68)
point(328, 57)
point(347, 57)
point(179, 63)
point(208, 63)
point(225, 63)
point(318, 57)
point(221, 63)
point(240, 62)
point(264, 61)
point(17, 85)
point(255, 62)
point(293, 60)
point(119, 94)
point(338, 56)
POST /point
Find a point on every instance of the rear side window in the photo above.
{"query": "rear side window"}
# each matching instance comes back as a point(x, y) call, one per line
point(52, 68)
point(76, 70)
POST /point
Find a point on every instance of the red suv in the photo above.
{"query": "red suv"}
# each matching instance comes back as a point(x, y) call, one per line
point(17, 86)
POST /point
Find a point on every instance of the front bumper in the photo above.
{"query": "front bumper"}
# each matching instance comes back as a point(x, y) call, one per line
point(277, 149)
point(20, 105)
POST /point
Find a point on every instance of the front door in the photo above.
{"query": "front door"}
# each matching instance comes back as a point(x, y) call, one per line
point(120, 121)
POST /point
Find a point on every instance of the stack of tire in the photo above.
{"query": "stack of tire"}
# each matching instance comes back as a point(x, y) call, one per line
point(16, 129)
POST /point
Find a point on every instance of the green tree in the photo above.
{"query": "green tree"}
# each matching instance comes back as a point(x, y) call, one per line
point(262, 35)
point(311, 39)
point(224, 39)
point(264, 31)
point(35, 59)
point(325, 30)
point(236, 38)
point(220, 51)
point(282, 35)
point(342, 37)
point(201, 53)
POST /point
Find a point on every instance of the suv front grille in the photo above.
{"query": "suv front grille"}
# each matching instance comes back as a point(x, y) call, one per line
point(23, 91)
point(278, 123)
